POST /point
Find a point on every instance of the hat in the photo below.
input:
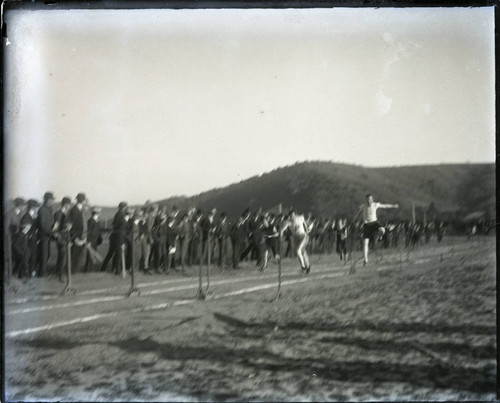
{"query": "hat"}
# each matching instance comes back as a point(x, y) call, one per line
point(80, 197)
point(65, 200)
point(19, 201)
point(33, 203)
point(48, 196)
point(96, 209)
point(122, 205)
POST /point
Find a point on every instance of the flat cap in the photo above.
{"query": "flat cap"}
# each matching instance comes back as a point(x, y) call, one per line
point(122, 205)
point(19, 201)
point(65, 200)
point(33, 203)
point(80, 197)
point(48, 196)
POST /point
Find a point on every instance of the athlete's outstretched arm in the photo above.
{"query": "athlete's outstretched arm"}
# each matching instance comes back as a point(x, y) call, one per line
point(388, 205)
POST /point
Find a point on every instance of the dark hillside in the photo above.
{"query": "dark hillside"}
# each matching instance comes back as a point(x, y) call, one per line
point(331, 189)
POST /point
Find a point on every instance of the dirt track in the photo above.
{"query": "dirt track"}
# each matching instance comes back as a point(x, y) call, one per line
point(423, 330)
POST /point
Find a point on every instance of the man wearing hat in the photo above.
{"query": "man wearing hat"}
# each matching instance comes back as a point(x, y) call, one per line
point(208, 228)
point(159, 250)
point(14, 223)
point(196, 240)
point(15, 215)
point(94, 237)
point(185, 233)
point(222, 236)
point(147, 223)
point(134, 238)
point(77, 231)
point(45, 224)
point(21, 250)
point(30, 217)
point(60, 232)
point(116, 239)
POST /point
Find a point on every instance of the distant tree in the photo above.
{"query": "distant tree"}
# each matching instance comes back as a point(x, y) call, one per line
point(432, 212)
point(477, 190)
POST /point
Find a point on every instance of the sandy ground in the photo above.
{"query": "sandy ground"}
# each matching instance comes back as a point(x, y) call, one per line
point(418, 330)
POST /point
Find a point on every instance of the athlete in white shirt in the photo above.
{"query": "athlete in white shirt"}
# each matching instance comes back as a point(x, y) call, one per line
point(371, 225)
point(300, 230)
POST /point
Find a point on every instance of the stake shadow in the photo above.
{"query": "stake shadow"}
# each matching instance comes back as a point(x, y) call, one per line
point(429, 376)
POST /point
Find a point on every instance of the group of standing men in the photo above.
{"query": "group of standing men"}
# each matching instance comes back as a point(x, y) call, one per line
point(151, 238)
point(74, 227)
point(155, 239)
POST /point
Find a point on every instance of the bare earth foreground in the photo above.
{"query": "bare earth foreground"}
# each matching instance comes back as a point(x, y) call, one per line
point(419, 330)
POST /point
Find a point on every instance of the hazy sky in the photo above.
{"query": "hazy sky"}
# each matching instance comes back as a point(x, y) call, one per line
point(146, 104)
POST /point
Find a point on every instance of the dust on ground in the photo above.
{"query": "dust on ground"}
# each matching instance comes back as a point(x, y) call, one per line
point(407, 332)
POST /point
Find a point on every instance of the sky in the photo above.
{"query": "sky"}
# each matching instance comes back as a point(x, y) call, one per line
point(147, 104)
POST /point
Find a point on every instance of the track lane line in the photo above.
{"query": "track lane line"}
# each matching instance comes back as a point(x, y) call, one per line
point(164, 305)
point(193, 285)
point(147, 284)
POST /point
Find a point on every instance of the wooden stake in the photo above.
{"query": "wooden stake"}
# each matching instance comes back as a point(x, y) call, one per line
point(200, 294)
point(133, 288)
point(278, 293)
point(69, 289)
point(209, 257)
point(124, 273)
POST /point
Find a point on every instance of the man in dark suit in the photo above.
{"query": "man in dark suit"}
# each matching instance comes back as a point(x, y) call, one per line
point(248, 227)
point(196, 239)
point(14, 223)
point(61, 235)
point(147, 235)
point(21, 250)
point(222, 236)
point(30, 219)
point(185, 231)
point(15, 216)
point(77, 231)
point(208, 228)
point(238, 236)
point(94, 237)
point(45, 223)
point(116, 239)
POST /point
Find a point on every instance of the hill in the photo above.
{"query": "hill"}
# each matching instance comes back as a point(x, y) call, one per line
point(333, 189)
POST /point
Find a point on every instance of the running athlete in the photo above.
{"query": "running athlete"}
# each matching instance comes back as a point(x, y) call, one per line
point(300, 231)
point(371, 225)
